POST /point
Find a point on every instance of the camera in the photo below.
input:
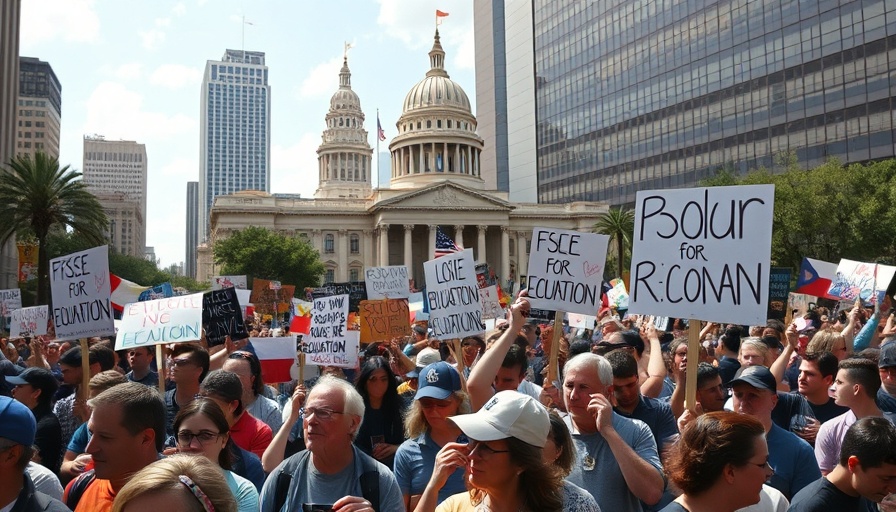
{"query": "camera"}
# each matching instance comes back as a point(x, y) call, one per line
point(315, 507)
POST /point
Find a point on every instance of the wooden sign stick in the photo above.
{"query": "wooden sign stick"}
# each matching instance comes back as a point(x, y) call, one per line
point(554, 361)
point(160, 364)
point(85, 369)
point(690, 390)
point(301, 367)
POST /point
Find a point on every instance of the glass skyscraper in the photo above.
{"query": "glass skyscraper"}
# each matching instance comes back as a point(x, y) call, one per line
point(235, 121)
point(645, 94)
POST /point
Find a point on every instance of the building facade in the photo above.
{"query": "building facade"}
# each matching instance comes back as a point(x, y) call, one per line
point(658, 94)
point(10, 12)
point(126, 229)
point(235, 125)
point(192, 240)
point(117, 169)
point(436, 181)
point(40, 108)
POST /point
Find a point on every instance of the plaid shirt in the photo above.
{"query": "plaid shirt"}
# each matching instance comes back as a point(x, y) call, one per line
point(64, 410)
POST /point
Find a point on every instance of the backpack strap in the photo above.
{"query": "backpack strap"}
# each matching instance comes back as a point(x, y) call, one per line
point(78, 487)
point(370, 482)
point(284, 478)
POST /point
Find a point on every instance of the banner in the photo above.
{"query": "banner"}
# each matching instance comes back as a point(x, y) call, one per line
point(162, 291)
point(81, 289)
point(329, 342)
point(382, 320)
point(491, 302)
point(854, 280)
point(28, 253)
point(452, 294)
point(356, 293)
point(703, 253)
point(238, 282)
point(222, 316)
point(28, 322)
point(566, 270)
point(277, 357)
point(386, 283)
point(778, 290)
point(171, 320)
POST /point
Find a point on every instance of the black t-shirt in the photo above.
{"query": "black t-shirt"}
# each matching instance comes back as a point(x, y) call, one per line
point(823, 496)
point(791, 411)
point(727, 368)
point(827, 410)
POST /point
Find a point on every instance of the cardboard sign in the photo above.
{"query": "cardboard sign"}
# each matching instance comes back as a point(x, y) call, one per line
point(566, 270)
point(238, 282)
point(27, 322)
point(356, 293)
point(453, 296)
point(778, 290)
point(79, 283)
point(222, 316)
point(703, 253)
point(491, 303)
point(171, 320)
point(382, 320)
point(387, 283)
point(328, 342)
point(264, 297)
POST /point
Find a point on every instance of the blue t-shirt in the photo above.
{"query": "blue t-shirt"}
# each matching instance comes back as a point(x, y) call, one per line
point(79, 440)
point(414, 463)
point(886, 401)
point(793, 460)
point(657, 414)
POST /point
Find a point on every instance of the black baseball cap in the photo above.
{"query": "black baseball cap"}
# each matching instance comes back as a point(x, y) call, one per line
point(887, 355)
point(757, 376)
point(40, 378)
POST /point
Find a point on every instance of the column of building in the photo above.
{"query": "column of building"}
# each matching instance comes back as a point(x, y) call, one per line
point(384, 245)
point(408, 254)
point(342, 255)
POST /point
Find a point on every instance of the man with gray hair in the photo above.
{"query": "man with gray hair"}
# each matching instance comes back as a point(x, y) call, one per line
point(332, 473)
point(612, 452)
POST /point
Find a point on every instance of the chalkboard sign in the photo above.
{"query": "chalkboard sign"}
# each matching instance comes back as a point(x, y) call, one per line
point(222, 316)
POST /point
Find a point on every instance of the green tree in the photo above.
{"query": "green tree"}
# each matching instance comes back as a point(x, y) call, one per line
point(619, 225)
point(262, 253)
point(36, 196)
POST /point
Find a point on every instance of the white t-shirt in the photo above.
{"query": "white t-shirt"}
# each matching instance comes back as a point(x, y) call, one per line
point(770, 500)
point(44, 480)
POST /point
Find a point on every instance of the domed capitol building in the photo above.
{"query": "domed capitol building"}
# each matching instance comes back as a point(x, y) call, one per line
point(435, 181)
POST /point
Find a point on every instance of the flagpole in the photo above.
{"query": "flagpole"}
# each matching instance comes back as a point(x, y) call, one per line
point(377, 148)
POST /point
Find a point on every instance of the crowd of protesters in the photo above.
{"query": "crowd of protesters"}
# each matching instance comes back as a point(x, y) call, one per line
point(796, 416)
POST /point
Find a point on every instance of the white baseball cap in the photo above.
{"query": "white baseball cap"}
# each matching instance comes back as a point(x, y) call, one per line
point(507, 414)
point(428, 356)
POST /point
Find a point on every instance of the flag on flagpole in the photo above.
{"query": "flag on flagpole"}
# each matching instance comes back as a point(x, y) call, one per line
point(444, 244)
point(440, 14)
point(815, 278)
point(124, 292)
point(276, 355)
point(381, 135)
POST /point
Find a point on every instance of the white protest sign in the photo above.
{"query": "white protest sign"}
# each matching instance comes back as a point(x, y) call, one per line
point(566, 270)
point(238, 282)
point(387, 282)
point(10, 300)
point(453, 294)
point(171, 320)
point(703, 253)
point(580, 321)
point(29, 322)
point(81, 292)
point(329, 341)
point(491, 304)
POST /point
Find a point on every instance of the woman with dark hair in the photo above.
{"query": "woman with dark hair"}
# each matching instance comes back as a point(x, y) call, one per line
point(382, 429)
point(472, 348)
point(720, 463)
point(505, 463)
point(559, 449)
point(247, 367)
point(201, 429)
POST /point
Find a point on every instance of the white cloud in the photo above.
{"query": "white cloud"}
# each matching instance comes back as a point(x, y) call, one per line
point(413, 23)
point(322, 80)
point(117, 112)
point(175, 76)
point(178, 168)
point(294, 168)
point(153, 37)
point(128, 71)
point(179, 9)
point(74, 21)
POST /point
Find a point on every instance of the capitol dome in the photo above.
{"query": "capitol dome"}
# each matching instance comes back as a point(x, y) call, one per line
point(437, 137)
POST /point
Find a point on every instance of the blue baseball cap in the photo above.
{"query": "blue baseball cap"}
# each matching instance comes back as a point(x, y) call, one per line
point(17, 423)
point(438, 380)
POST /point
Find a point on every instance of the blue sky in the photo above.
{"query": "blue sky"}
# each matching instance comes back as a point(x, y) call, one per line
point(132, 70)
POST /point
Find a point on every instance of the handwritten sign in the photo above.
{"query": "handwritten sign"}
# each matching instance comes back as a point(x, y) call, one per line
point(27, 322)
point(386, 283)
point(161, 291)
point(617, 295)
point(219, 282)
point(264, 298)
point(9, 300)
point(703, 253)
point(854, 280)
point(356, 293)
point(491, 303)
point(581, 321)
point(328, 340)
point(566, 270)
point(778, 289)
point(79, 283)
point(171, 320)
point(382, 320)
point(222, 316)
point(453, 296)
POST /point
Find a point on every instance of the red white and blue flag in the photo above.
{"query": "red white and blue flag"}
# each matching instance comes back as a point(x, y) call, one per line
point(815, 278)
point(444, 244)
point(379, 129)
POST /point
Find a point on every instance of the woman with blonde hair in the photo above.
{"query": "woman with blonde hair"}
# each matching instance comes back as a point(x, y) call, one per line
point(179, 482)
point(754, 352)
point(828, 340)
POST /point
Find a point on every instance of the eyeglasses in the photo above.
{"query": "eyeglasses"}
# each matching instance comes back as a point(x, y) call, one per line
point(427, 403)
point(485, 451)
point(764, 466)
point(321, 414)
point(185, 437)
point(181, 362)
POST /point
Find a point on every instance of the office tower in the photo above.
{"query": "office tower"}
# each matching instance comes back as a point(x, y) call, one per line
point(116, 169)
point(40, 108)
point(634, 96)
point(126, 229)
point(10, 11)
point(192, 229)
point(235, 119)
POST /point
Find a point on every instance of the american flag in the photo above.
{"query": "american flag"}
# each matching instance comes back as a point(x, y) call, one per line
point(379, 129)
point(444, 244)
